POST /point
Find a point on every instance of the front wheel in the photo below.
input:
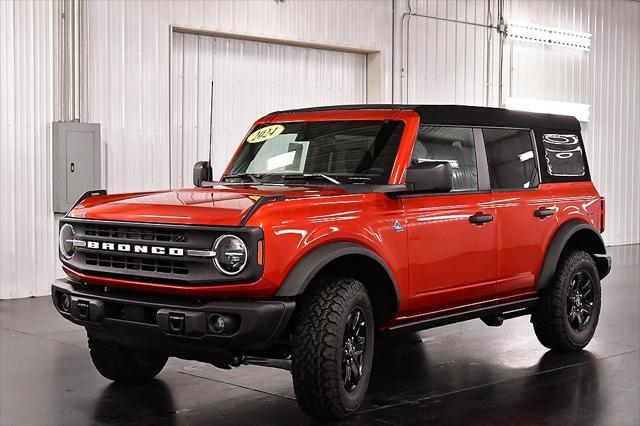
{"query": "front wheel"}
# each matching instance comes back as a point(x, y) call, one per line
point(569, 308)
point(332, 352)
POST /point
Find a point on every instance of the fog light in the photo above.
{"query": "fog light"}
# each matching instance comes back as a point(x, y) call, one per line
point(66, 302)
point(216, 323)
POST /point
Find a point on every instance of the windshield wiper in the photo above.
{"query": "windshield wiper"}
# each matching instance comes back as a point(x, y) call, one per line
point(253, 178)
point(311, 175)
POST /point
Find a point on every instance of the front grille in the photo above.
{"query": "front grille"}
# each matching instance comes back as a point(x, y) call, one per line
point(130, 263)
point(140, 263)
point(131, 233)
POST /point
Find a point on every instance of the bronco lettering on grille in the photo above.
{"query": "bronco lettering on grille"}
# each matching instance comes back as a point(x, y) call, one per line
point(135, 248)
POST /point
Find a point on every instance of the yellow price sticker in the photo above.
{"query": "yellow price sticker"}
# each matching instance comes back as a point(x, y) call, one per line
point(265, 133)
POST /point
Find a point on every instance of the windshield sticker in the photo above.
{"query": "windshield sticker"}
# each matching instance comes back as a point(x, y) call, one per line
point(563, 155)
point(281, 160)
point(265, 133)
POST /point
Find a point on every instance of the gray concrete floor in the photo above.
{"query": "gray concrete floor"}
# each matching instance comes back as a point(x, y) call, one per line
point(460, 374)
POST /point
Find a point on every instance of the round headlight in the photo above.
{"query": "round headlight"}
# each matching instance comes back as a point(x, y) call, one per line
point(231, 254)
point(66, 241)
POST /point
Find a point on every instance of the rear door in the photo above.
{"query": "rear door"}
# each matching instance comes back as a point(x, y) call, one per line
point(452, 260)
point(525, 211)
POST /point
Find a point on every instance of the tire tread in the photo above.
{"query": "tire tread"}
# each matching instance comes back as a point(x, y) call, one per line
point(318, 325)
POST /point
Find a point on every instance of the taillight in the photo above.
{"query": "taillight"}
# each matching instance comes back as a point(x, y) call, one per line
point(602, 214)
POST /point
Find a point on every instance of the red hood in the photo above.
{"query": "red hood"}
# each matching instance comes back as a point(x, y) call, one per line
point(219, 205)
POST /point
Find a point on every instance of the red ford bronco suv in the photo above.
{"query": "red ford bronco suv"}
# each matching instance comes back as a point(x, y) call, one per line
point(331, 225)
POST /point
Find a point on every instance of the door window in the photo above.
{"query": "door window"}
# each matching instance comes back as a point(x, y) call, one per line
point(511, 159)
point(454, 145)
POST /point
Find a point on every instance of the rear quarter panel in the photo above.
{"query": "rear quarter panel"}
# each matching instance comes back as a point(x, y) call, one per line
point(576, 200)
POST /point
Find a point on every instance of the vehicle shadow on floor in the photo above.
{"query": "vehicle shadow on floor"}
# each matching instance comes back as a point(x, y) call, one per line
point(151, 403)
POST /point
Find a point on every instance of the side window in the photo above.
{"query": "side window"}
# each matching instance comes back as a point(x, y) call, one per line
point(563, 154)
point(511, 159)
point(452, 144)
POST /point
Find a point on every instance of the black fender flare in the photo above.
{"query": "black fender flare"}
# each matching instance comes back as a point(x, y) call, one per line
point(307, 268)
point(559, 242)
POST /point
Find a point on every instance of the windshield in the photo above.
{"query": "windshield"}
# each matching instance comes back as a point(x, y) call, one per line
point(328, 152)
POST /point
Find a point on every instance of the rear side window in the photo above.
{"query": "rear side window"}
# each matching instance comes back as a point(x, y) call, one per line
point(511, 159)
point(563, 154)
point(454, 145)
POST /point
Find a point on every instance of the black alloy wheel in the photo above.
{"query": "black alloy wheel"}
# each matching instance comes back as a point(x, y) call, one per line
point(353, 350)
point(580, 301)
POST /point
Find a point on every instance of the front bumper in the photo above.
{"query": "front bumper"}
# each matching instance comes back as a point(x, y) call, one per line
point(175, 326)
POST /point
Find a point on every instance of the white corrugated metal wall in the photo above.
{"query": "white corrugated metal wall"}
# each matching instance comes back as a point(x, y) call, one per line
point(250, 80)
point(128, 65)
point(451, 62)
point(28, 105)
point(126, 88)
point(607, 78)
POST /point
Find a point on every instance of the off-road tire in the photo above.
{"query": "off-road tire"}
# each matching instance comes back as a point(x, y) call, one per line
point(317, 353)
point(122, 364)
point(550, 318)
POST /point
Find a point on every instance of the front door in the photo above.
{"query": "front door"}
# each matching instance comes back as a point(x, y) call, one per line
point(452, 237)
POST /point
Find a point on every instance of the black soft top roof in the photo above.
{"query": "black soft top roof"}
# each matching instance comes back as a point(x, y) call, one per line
point(467, 115)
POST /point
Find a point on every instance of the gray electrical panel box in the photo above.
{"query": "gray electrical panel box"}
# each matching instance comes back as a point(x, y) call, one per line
point(76, 162)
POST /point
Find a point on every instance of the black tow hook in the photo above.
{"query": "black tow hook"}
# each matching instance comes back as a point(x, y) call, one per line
point(83, 309)
point(182, 323)
point(176, 323)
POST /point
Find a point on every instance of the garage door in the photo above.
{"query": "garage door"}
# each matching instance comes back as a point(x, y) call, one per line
point(250, 79)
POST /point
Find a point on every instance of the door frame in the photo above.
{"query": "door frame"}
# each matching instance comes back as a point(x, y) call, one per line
point(374, 88)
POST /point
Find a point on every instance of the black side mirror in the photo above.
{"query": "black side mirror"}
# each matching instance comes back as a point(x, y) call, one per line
point(430, 176)
point(202, 173)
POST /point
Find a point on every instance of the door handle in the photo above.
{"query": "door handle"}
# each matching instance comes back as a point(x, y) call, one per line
point(480, 218)
point(544, 212)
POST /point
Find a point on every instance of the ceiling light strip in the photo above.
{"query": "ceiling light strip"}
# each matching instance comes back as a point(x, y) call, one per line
point(550, 36)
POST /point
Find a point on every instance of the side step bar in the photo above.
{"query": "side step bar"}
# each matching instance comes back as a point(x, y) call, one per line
point(505, 310)
point(283, 364)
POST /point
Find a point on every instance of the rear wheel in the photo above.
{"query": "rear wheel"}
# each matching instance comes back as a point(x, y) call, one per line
point(123, 364)
point(333, 349)
point(569, 309)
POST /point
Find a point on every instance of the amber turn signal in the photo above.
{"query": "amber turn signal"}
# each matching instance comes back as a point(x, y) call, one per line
point(260, 253)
